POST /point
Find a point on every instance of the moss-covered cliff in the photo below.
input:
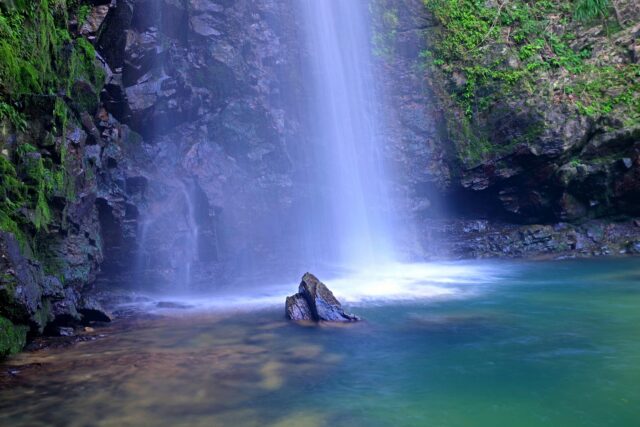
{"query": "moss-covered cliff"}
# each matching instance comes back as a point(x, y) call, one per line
point(542, 103)
point(50, 152)
point(213, 90)
point(524, 111)
point(512, 116)
point(42, 69)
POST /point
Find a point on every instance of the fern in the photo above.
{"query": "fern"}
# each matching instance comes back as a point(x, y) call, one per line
point(587, 10)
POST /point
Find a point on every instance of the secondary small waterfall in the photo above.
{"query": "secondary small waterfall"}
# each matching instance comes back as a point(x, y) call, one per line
point(179, 230)
point(189, 254)
point(349, 181)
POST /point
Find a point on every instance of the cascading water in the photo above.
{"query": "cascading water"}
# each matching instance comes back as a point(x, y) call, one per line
point(184, 230)
point(349, 181)
point(349, 229)
point(189, 254)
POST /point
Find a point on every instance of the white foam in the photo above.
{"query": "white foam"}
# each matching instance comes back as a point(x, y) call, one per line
point(375, 285)
point(401, 282)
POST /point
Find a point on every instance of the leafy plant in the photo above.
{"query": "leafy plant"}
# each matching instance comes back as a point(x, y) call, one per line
point(39, 60)
point(490, 51)
point(587, 10)
point(16, 118)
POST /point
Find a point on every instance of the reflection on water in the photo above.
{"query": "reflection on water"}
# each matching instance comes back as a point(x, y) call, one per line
point(545, 344)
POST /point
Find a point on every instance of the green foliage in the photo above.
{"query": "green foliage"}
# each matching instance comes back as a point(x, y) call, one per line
point(83, 13)
point(13, 195)
point(40, 59)
point(605, 88)
point(468, 23)
point(38, 54)
point(17, 119)
point(83, 66)
point(28, 184)
point(60, 115)
point(385, 33)
point(493, 50)
point(12, 337)
point(41, 182)
point(587, 10)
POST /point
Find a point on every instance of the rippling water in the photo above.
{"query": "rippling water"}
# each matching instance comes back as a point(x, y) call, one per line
point(480, 344)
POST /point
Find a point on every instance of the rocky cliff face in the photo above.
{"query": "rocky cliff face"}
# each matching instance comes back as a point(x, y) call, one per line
point(518, 114)
point(64, 170)
point(167, 155)
point(210, 86)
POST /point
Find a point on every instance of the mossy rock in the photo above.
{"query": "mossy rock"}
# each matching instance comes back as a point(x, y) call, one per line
point(12, 337)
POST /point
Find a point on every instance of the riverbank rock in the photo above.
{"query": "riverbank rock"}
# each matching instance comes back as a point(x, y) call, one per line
point(92, 311)
point(314, 301)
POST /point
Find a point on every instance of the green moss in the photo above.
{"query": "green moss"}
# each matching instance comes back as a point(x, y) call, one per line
point(13, 194)
point(85, 66)
point(385, 32)
point(607, 88)
point(40, 59)
point(44, 250)
point(37, 52)
point(17, 119)
point(12, 337)
point(60, 116)
point(505, 48)
point(591, 9)
point(38, 55)
point(83, 13)
point(41, 182)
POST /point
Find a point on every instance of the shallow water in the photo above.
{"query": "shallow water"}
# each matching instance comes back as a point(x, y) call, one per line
point(490, 344)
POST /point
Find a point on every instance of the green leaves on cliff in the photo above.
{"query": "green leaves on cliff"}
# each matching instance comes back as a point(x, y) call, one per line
point(492, 49)
point(13, 195)
point(591, 9)
point(468, 23)
point(27, 38)
point(17, 119)
point(25, 190)
point(12, 337)
point(40, 66)
point(37, 52)
point(603, 89)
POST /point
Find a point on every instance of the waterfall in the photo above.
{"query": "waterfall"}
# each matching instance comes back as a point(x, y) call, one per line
point(352, 222)
point(173, 232)
point(142, 256)
point(189, 254)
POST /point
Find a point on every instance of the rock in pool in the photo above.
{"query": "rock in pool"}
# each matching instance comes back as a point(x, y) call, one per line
point(314, 301)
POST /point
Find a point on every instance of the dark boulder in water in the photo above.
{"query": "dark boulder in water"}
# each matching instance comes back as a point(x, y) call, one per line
point(314, 301)
point(297, 308)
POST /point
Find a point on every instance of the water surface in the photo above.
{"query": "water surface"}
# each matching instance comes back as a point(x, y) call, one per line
point(518, 344)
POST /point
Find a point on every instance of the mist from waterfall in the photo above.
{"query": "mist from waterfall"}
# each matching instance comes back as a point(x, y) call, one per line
point(228, 198)
point(352, 221)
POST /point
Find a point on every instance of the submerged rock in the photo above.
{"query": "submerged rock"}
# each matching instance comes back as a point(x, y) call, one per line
point(65, 331)
point(173, 305)
point(314, 301)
